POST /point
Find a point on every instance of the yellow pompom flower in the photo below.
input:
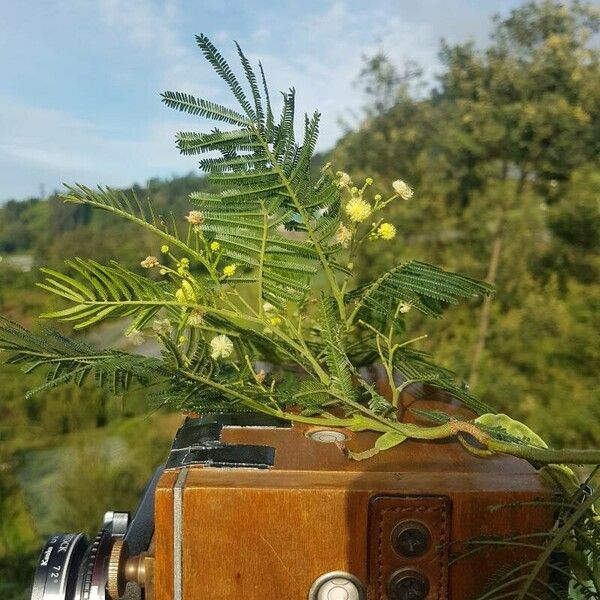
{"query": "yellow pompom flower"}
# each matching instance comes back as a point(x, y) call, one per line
point(164, 249)
point(215, 246)
point(386, 231)
point(196, 319)
point(275, 321)
point(229, 270)
point(358, 210)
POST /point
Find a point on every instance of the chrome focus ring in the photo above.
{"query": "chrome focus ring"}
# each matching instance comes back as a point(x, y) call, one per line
point(70, 568)
point(58, 567)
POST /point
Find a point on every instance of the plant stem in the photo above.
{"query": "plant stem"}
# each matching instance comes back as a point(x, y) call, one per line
point(333, 284)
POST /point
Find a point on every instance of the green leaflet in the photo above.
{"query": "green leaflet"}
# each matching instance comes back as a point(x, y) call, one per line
point(68, 360)
point(384, 442)
point(107, 291)
point(335, 355)
point(425, 287)
point(389, 440)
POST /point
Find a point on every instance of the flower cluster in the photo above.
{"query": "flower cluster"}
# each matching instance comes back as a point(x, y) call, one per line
point(358, 208)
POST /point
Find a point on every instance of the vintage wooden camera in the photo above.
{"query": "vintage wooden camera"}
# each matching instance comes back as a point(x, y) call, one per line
point(252, 508)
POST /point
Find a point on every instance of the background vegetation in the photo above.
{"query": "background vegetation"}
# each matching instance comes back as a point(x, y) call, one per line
point(503, 154)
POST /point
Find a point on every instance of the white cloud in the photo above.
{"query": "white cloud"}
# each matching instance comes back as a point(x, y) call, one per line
point(47, 146)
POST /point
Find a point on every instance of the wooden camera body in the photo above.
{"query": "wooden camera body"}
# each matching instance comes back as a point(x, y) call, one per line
point(254, 509)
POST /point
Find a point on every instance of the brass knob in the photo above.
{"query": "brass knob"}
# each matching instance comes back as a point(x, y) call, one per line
point(116, 581)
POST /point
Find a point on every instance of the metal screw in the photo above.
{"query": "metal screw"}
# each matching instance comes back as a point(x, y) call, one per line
point(411, 538)
point(408, 585)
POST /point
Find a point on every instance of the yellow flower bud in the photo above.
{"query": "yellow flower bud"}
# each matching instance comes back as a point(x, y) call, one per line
point(164, 249)
point(215, 246)
point(386, 231)
point(229, 270)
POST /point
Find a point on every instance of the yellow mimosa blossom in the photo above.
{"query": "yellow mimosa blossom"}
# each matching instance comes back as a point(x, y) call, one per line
point(164, 248)
point(221, 347)
point(275, 321)
point(402, 189)
point(229, 270)
point(215, 246)
point(358, 210)
point(386, 231)
point(162, 326)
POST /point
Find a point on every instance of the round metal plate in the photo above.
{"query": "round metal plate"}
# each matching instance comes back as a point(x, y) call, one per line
point(337, 585)
point(327, 436)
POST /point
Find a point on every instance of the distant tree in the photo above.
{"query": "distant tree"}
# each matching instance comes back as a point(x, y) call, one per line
point(521, 111)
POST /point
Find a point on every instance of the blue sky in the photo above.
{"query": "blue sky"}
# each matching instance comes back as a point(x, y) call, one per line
point(80, 79)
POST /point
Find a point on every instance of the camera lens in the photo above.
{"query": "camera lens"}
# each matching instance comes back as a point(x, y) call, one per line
point(58, 567)
point(70, 568)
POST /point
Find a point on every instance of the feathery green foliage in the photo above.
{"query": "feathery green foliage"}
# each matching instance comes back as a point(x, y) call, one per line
point(263, 273)
point(240, 283)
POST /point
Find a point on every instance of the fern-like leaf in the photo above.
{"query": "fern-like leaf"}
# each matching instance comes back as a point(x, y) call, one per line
point(107, 291)
point(425, 287)
point(337, 360)
point(67, 360)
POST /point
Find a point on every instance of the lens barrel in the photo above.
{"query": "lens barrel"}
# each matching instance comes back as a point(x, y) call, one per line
point(72, 568)
point(58, 567)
